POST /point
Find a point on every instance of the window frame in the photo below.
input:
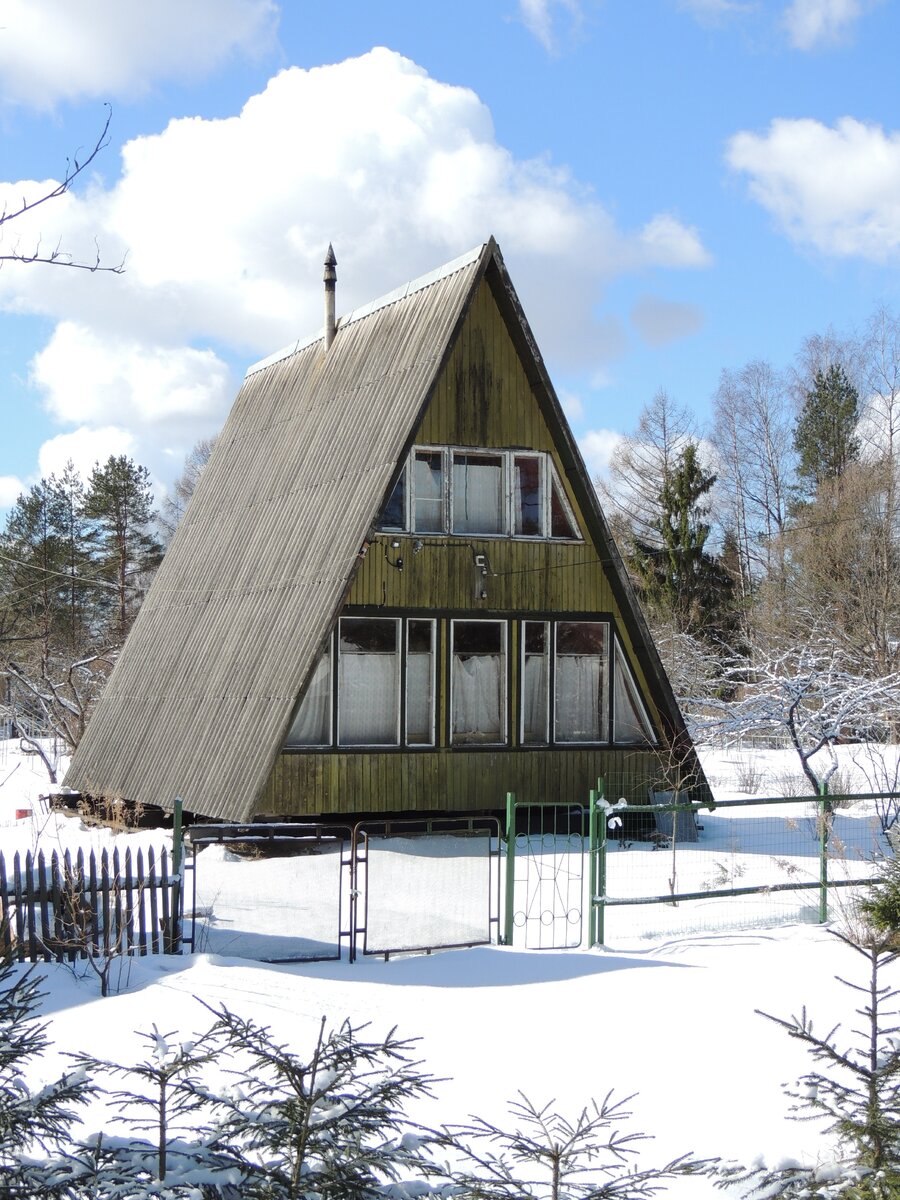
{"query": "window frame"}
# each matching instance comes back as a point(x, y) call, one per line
point(618, 652)
point(504, 623)
point(549, 479)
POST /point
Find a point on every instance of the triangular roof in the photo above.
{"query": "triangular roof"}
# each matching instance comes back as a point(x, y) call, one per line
point(204, 689)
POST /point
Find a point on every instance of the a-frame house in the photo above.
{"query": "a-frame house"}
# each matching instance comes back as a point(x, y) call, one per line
point(393, 589)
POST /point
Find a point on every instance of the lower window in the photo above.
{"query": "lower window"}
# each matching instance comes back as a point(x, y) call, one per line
point(478, 683)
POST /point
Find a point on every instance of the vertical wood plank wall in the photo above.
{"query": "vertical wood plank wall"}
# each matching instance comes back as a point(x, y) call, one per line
point(483, 398)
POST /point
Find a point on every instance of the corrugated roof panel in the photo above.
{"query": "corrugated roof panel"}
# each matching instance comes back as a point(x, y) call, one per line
point(208, 680)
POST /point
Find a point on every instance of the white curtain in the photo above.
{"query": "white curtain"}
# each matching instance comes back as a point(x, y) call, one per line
point(312, 724)
point(580, 703)
point(477, 699)
point(368, 698)
point(629, 723)
point(428, 489)
point(419, 700)
point(534, 699)
point(477, 496)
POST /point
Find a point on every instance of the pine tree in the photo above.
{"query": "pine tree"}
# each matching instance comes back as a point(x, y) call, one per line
point(120, 505)
point(549, 1157)
point(857, 1095)
point(332, 1125)
point(825, 436)
point(175, 1160)
point(681, 581)
point(34, 1125)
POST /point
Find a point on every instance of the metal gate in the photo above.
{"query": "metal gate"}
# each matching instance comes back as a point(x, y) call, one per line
point(310, 892)
point(545, 880)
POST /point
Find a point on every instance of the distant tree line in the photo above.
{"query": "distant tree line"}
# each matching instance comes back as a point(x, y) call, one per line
point(76, 559)
point(777, 528)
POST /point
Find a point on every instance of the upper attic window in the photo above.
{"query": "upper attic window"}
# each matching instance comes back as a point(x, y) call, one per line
point(483, 493)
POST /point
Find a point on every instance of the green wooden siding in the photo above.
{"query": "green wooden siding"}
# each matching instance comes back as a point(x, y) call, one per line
point(482, 399)
point(452, 780)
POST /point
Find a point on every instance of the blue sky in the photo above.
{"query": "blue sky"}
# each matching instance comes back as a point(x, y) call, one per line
point(678, 187)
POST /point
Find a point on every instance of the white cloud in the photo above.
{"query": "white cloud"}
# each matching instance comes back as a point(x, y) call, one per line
point(712, 12)
point(662, 321)
point(84, 447)
point(406, 173)
point(54, 50)
point(597, 447)
point(811, 24)
point(11, 487)
point(86, 376)
point(837, 189)
point(540, 18)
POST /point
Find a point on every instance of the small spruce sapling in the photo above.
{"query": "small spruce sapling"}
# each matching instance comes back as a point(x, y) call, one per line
point(176, 1159)
point(333, 1125)
point(857, 1094)
point(32, 1121)
point(549, 1157)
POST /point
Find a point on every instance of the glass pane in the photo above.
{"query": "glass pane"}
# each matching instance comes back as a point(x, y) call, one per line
point(420, 683)
point(312, 724)
point(368, 682)
point(581, 690)
point(630, 722)
point(561, 525)
point(535, 680)
point(477, 493)
point(527, 497)
point(428, 489)
point(394, 514)
point(477, 683)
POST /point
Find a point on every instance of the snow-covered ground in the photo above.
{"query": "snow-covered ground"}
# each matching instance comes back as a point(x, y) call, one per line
point(669, 1017)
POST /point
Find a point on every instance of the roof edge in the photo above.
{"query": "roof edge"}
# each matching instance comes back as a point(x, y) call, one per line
point(373, 306)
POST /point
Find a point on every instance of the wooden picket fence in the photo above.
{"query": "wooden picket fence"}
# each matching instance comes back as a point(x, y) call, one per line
point(66, 908)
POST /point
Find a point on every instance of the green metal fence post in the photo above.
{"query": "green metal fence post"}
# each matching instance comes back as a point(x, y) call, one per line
point(597, 923)
point(510, 868)
point(592, 867)
point(824, 811)
point(177, 863)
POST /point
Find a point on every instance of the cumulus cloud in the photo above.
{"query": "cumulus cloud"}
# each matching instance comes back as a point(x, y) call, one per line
point(541, 17)
point(11, 487)
point(597, 448)
point(837, 189)
point(53, 50)
point(662, 321)
point(406, 173)
point(811, 24)
point(84, 447)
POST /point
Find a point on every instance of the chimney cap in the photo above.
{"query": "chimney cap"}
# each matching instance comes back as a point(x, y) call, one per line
point(330, 263)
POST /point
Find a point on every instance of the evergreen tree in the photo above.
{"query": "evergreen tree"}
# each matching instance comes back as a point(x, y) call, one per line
point(857, 1094)
point(825, 436)
point(680, 580)
point(34, 1125)
point(332, 1125)
point(120, 505)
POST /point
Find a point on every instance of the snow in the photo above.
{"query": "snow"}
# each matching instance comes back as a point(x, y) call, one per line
point(662, 1012)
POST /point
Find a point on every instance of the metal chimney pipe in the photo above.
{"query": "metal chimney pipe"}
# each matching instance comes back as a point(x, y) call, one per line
point(330, 278)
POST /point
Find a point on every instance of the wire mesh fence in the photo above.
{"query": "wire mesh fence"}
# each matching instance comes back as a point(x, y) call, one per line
point(748, 864)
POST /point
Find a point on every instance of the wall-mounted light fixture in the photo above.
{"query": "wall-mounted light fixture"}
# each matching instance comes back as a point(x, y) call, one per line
point(397, 563)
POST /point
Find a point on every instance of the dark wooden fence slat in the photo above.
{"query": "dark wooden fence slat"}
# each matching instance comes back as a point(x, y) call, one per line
point(141, 896)
point(44, 902)
point(31, 906)
point(106, 914)
point(21, 914)
point(58, 906)
point(154, 907)
point(6, 920)
point(127, 886)
point(164, 895)
point(118, 944)
point(96, 926)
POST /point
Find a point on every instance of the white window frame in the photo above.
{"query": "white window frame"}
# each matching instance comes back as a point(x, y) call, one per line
point(549, 478)
point(336, 678)
point(607, 684)
point(503, 622)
